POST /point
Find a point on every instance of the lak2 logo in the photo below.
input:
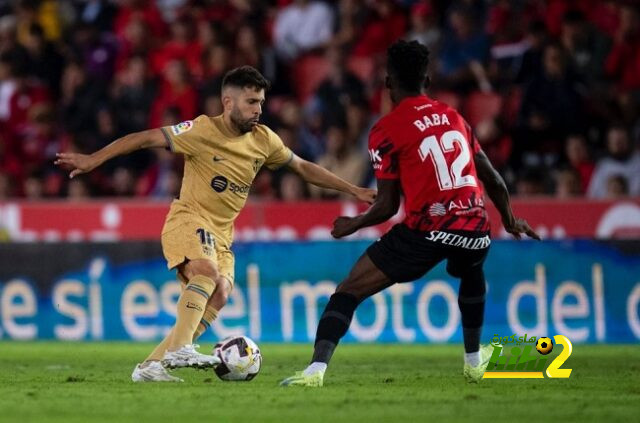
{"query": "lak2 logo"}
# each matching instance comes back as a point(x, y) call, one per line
point(524, 363)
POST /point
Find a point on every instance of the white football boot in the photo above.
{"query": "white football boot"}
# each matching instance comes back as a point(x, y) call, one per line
point(187, 356)
point(153, 372)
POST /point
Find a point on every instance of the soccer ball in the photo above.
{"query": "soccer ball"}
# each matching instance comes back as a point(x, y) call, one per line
point(240, 358)
point(544, 345)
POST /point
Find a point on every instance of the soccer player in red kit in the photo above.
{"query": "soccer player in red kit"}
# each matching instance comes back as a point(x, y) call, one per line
point(427, 151)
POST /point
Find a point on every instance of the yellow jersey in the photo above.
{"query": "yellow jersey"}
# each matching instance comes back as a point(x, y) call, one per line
point(218, 171)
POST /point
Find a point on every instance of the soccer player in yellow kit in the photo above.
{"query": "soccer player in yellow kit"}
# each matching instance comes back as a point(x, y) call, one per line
point(222, 156)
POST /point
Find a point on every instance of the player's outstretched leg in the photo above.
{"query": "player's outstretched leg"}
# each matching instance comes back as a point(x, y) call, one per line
point(157, 372)
point(191, 305)
point(214, 305)
point(471, 300)
point(153, 371)
point(364, 280)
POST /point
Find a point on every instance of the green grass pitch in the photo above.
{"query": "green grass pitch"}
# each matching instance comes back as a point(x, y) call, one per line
point(90, 382)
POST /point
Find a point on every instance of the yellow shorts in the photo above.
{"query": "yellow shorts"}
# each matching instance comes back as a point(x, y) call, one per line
point(192, 241)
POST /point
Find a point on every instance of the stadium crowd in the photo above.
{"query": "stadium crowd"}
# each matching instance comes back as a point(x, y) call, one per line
point(551, 87)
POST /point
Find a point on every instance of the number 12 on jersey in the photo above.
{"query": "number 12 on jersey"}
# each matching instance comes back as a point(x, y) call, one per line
point(449, 177)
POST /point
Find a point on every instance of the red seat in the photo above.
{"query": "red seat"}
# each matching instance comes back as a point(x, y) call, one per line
point(480, 106)
point(362, 67)
point(512, 104)
point(308, 72)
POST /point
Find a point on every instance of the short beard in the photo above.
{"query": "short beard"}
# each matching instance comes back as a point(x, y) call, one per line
point(242, 126)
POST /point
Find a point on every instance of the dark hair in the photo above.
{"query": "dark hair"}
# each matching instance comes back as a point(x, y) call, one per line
point(245, 76)
point(573, 17)
point(36, 30)
point(407, 62)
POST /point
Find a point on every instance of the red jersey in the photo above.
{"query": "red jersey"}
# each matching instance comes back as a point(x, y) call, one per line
point(429, 147)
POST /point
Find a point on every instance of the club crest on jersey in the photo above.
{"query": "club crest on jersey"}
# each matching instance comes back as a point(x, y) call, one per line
point(257, 164)
point(436, 119)
point(437, 209)
point(182, 127)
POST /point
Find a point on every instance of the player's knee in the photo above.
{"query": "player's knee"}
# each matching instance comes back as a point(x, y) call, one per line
point(221, 295)
point(348, 287)
point(201, 267)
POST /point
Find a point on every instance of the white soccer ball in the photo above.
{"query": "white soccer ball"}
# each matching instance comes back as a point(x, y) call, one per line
point(240, 358)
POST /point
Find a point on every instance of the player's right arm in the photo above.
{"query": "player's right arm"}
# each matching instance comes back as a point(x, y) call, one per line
point(83, 163)
point(497, 191)
point(384, 159)
point(384, 208)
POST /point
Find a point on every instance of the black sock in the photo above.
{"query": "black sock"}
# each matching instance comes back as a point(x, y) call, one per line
point(333, 325)
point(471, 301)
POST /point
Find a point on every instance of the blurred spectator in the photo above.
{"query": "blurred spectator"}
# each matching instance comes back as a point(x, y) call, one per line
point(7, 85)
point(424, 26)
point(579, 159)
point(84, 72)
point(46, 13)
point(78, 189)
point(33, 186)
point(80, 100)
point(176, 91)
point(302, 26)
point(384, 26)
point(171, 9)
point(38, 139)
point(531, 63)
point(9, 39)
point(96, 51)
point(463, 53)
point(340, 88)
point(134, 92)
point(293, 188)
point(617, 187)
point(623, 160)
point(263, 186)
point(98, 13)
point(139, 9)
point(162, 179)
point(311, 132)
point(24, 92)
point(587, 48)
point(551, 109)
point(623, 62)
point(530, 183)
point(217, 61)
point(212, 105)
point(182, 46)
point(305, 143)
point(503, 23)
point(107, 132)
point(250, 49)
point(351, 15)
point(495, 143)
point(567, 184)
point(136, 41)
point(44, 61)
point(343, 159)
point(359, 122)
point(6, 187)
point(123, 182)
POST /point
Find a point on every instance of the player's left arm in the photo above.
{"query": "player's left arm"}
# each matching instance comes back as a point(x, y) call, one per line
point(385, 207)
point(321, 177)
